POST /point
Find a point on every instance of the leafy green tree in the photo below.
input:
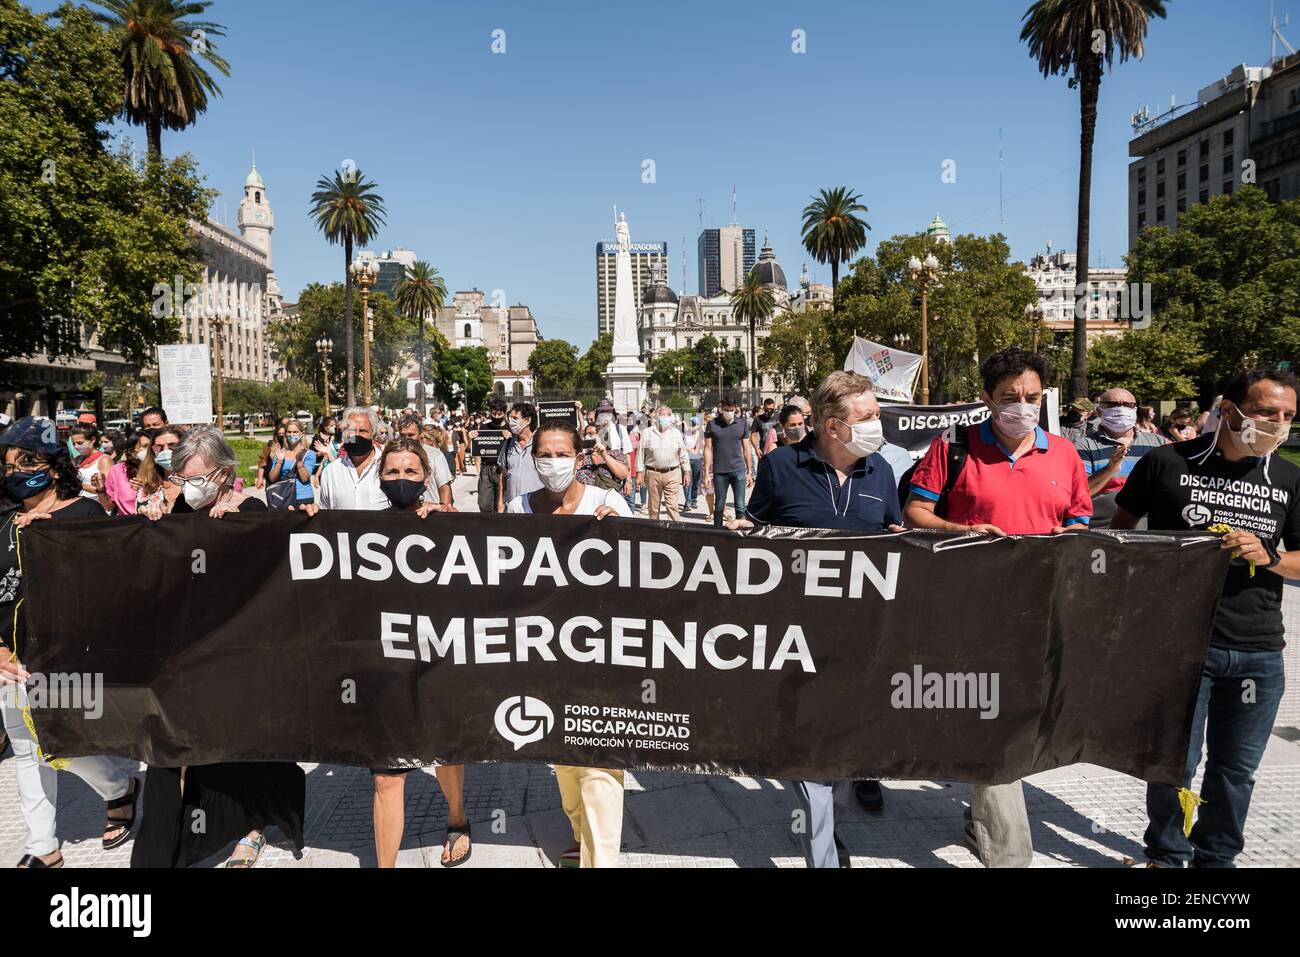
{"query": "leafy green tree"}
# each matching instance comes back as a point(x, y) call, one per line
point(86, 240)
point(244, 397)
point(833, 232)
point(706, 361)
point(977, 307)
point(322, 313)
point(754, 303)
point(554, 364)
point(419, 294)
point(1152, 363)
point(348, 211)
point(797, 350)
point(163, 83)
point(467, 368)
point(592, 365)
point(1077, 38)
point(663, 370)
point(1229, 281)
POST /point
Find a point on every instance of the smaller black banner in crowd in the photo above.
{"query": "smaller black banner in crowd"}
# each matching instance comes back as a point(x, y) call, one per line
point(487, 444)
point(547, 411)
point(914, 427)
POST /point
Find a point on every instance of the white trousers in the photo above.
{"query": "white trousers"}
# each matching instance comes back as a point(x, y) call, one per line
point(38, 783)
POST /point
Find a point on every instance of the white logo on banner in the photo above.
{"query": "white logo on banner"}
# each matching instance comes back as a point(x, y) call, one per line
point(1196, 515)
point(521, 719)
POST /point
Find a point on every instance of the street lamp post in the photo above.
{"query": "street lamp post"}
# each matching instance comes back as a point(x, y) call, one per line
point(720, 352)
point(924, 274)
point(1034, 313)
point(325, 345)
point(215, 325)
point(366, 272)
point(678, 370)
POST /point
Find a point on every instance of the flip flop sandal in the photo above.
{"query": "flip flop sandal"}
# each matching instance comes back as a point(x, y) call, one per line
point(29, 862)
point(247, 862)
point(123, 824)
point(572, 857)
point(449, 843)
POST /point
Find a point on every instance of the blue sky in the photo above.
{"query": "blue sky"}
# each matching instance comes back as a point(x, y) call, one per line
point(501, 169)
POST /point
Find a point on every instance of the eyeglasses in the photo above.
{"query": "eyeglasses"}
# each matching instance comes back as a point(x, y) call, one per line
point(1119, 405)
point(28, 465)
point(194, 481)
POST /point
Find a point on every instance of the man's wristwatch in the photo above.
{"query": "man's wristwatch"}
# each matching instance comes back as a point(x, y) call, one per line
point(1273, 555)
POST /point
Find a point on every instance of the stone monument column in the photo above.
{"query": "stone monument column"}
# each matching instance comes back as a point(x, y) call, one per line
point(625, 377)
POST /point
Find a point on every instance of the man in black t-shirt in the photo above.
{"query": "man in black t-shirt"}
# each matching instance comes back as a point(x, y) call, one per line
point(489, 472)
point(1228, 477)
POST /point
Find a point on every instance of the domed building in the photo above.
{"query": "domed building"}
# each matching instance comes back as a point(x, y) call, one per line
point(938, 231)
point(668, 321)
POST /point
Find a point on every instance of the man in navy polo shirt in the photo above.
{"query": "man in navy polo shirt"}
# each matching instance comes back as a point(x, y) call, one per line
point(834, 478)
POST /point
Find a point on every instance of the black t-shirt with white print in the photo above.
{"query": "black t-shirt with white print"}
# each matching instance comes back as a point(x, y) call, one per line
point(1178, 491)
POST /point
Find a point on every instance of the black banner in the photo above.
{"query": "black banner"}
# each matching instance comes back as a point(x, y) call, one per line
point(557, 410)
point(914, 427)
point(378, 639)
point(487, 444)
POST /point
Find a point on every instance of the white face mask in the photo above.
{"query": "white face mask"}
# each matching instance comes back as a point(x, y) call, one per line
point(1119, 419)
point(1258, 436)
point(727, 416)
point(517, 426)
point(202, 496)
point(556, 474)
point(867, 437)
point(1016, 419)
point(139, 456)
point(665, 423)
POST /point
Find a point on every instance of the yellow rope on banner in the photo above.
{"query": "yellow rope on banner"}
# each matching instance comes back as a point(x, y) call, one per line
point(1222, 529)
point(1189, 802)
point(59, 764)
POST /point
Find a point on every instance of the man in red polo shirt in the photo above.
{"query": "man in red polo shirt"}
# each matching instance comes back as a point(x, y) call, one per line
point(1015, 479)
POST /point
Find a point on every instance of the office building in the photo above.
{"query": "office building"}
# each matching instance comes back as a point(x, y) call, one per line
point(1243, 128)
point(648, 260)
point(726, 255)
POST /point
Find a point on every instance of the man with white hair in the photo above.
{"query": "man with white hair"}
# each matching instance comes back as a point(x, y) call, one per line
point(1110, 445)
point(663, 464)
point(353, 481)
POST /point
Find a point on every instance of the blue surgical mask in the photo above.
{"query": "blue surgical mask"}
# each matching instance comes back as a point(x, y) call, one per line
point(163, 459)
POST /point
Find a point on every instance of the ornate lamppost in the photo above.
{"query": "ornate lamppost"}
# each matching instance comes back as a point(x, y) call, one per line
point(924, 274)
point(365, 272)
point(1034, 312)
point(325, 345)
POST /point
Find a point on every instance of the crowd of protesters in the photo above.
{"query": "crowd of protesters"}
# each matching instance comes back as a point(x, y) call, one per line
point(821, 462)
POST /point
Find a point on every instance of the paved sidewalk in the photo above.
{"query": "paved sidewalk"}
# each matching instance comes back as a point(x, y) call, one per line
point(1082, 816)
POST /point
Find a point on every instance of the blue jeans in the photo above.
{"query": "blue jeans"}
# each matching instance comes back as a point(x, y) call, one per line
point(692, 493)
point(721, 482)
point(1235, 709)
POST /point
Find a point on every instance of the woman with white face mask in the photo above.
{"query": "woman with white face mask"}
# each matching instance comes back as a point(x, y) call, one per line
point(237, 799)
point(592, 797)
point(557, 450)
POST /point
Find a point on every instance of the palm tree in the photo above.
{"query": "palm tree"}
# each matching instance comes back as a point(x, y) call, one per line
point(419, 294)
point(832, 230)
point(1077, 37)
point(753, 302)
point(349, 212)
point(164, 84)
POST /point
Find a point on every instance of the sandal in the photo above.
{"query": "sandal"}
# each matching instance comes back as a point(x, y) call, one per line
point(247, 862)
point(571, 858)
point(453, 834)
point(30, 862)
point(123, 824)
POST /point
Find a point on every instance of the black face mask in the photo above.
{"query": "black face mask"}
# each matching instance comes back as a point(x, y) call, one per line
point(403, 493)
point(23, 485)
point(358, 448)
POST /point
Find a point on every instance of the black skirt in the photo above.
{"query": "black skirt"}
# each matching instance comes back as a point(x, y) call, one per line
point(222, 802)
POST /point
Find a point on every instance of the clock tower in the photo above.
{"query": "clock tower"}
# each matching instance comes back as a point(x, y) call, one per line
point(256, 221)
